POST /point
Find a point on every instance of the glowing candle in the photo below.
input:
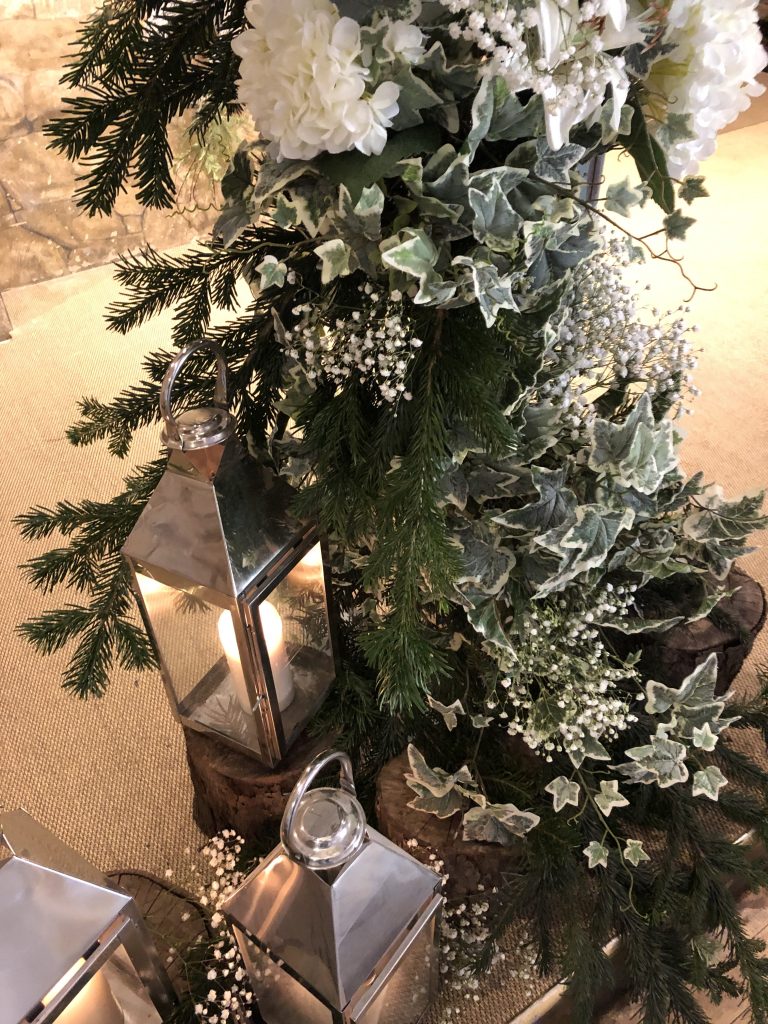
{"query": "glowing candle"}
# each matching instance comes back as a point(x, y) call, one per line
point(310, 569)
point(272, 626)
point(92, 1003)
point(232, 653)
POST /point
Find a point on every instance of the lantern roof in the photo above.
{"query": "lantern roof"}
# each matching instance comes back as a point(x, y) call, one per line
point(48, 921)
point(222, 529)
point(332, 929)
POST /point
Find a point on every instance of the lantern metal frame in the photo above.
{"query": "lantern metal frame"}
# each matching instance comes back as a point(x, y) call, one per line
point(97, 919)
point(214, 474)
point(350, 964)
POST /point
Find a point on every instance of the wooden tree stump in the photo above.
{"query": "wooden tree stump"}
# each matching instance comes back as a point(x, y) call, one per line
point(236, 791)
point(729, 630)
point(468, 864)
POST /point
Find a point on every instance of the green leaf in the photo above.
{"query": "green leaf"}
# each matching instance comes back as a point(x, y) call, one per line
point(356, 170)
point(650, 160)
point(596, 854)
point(486, 568)
point(638, 453)
point(495, 223)
point(483, 616)
point(272, 273)
point(414, 253)
point(447, 711)
point(415, 96)
point(436, 791)
point(556, 503)
point(634, 852)
point(661, 761)
point(554, 165)
point(709, 782)
point(621, 197)
point(609, 797)
point(704, 738)
point(563, 792)
point(692, 188)
point(498, 823)
point(583, 542)
point(676, 224)
point(334, 258)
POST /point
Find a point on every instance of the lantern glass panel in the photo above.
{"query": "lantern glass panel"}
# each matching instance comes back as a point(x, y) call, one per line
point(409, 989)
point(199, 648)
point(297, 639)
point(279, 996)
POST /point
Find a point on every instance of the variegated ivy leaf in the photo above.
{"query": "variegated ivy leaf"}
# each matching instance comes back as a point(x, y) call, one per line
point(483, 615)
point(415, 96)
point(454, 487)
point(704, 738)
point(590, 747)
point(563, 792)
point(485, 283)
point(596, 854)
point(661, 761)
point(272, 273)
point(692, 188)
point(709, 782)
point(583, 542)
point(364, 216)
point(634, 852)
point(693, 703)
point(486, 483)
point(721, 520)
point(621, 197)
point(677, 224)
point(448, 711)
point(486, 568)
point(334, 258)
point(495, 223)
point(554, 165)
point(480, 721)
point(436, 791)
point(414, 253)
point(498, 823)
point(556, 502)
point(610, 797)
point(637, 453)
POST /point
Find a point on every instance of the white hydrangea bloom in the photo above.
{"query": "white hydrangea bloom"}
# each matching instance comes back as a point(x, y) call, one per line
point(711, 75)
point(304, 83)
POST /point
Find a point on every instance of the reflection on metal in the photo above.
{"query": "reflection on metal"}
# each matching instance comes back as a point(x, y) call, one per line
point(70, 946)
point(233, 587)
point(337, 925)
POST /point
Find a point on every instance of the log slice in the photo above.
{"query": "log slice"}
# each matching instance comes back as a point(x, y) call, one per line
point(236, 791)
point(469, 865)
point(729, 631)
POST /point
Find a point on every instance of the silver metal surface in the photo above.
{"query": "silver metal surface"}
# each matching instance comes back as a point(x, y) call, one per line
point(58, 930)
point(326, 827)
point(334, 930)
point(28, 839)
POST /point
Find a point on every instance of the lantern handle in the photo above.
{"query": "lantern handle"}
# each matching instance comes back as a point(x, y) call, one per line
point(174, 368)
point(307, 777)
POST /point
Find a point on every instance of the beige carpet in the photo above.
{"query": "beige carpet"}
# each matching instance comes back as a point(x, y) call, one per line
point(109, 775)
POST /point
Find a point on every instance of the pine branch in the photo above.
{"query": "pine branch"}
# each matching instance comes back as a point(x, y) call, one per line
point(138, 66)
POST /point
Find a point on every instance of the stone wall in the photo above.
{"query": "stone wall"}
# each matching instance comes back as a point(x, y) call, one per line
point(42, 233)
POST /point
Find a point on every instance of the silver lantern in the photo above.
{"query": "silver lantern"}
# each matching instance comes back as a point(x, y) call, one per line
point(337, 925)
point(232, 587)
point(72, 950)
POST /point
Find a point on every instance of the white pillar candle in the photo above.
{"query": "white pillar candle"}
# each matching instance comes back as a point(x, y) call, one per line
point(228, 640)
point(272, 626)
point(94, 1002)
point(309, 570)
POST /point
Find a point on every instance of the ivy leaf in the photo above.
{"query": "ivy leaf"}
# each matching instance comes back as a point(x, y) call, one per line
point(272, 273)
point(709, 782)
point(692, 188)
point(334, 258)
point(486, 568)
point(634, 852)
point(704, 738)
point(676, 128)
point(498, 823)
point(661, 761)
point(582, 542)
point(725, 520)
point(483, 616)
point(638, 453)
point(436, 791)
point(415, 96)
point(448, 711)
point(693, 703)
point(556, 502)
point(610, 797)
point(563, 792)
point(621, 197)
point(480, 721)
point(677, 224)
point(596, 854)
point(414, 253)
point(554, 165)
point(495, 224)
point(590, 747)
